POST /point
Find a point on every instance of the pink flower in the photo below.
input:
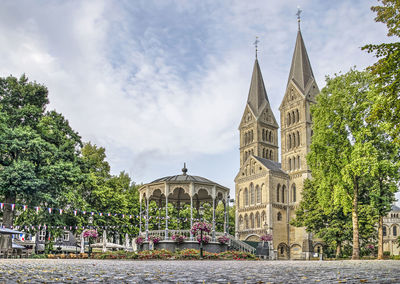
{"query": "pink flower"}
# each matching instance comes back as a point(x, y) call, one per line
point(266, 238)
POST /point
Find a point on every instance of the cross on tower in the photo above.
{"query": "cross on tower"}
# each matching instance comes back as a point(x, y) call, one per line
point(256, 45)
point(298, 15)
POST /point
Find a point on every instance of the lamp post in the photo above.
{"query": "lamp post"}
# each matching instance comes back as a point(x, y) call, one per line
point(227, 216)
point(201, 209)
point(90, 221)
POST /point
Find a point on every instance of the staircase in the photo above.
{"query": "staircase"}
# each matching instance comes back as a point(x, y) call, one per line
point(237, 244)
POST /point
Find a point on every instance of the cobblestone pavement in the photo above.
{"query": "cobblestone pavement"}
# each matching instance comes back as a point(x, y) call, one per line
point(120, 271)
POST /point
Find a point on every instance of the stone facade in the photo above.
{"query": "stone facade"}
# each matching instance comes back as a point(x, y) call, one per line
point(391, 227)
point(267, 192)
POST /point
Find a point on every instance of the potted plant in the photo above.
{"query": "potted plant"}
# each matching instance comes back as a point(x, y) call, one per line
point(154, 239)
point(90, 234)
point(139, 241)
point(266, 238)
point(178, 238)
point(223, 240)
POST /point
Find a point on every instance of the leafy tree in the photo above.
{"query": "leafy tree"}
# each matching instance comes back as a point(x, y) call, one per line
point(343, 154)
point(386, 108)
point(326, 222)
point(38, 149)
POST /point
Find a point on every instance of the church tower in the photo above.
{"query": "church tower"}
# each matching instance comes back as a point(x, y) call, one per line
point(296, 133)
point(258, 127)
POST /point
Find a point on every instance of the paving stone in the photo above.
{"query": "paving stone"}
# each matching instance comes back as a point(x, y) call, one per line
point(115, 271)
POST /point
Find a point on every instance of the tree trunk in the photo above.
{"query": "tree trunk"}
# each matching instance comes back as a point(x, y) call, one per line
point(380, 238)
point(338, 249)
point(8, 214)
point(356, 241)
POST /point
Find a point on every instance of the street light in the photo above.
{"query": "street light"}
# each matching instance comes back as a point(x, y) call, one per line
point(90, 221)
point(201, 210)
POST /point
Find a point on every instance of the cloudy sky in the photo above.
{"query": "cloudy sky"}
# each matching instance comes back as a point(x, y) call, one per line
point(159, 83)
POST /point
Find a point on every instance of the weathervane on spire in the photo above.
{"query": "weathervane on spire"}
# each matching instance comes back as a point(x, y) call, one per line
point(298, 15)
point(256, 45)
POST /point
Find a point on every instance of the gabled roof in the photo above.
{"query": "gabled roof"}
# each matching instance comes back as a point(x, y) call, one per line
point(300, 70)
point(395, 208)
point(271, 165)
point(257, 99)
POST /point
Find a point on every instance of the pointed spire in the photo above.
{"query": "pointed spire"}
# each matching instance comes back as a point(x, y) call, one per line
point(300, 70)
point(257, 98)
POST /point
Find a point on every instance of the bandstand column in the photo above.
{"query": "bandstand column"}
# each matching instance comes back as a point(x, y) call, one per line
point(166, 211)
point(147, 218)
point(213, 221)
point(191, 216)
point(140, 215)
point(225, 216)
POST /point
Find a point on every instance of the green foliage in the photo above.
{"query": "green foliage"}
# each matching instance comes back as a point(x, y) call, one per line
point(353, 163)
point(387, 105)
point(38, 150)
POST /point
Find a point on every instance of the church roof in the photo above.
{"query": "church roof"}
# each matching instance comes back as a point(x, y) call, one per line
point(395, 208)
point(257, 99)
point(300, 70)
point(273, 166)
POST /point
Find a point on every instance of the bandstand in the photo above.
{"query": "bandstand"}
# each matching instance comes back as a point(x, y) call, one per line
point(179, 190)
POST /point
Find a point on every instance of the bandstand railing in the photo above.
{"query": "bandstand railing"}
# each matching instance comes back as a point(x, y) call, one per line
point(234, 243)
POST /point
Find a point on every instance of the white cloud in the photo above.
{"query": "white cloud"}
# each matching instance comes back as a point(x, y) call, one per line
point(160, 84)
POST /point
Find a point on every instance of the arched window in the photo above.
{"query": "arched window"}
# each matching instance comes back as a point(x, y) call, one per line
point(289, 119)
point(283, 193)
point(384, 231)
point(297, 115)
point(252, 199)
point(263, 134)
point(251, 221)
point(279, 216)
point(258, 220)
point(263, 153)
point(293, 193)
point(246, 221)
point(270, 154)
point(290, 164)
point(294, 163)
point(290, 141)
point(240, 222)
point(278, 192)
point(246, 197)
point(252, 138)
point(258, 195)
point(293, 117)
point(294, 140)
point(270, 136)
point(263, 217)
point(298, 138)
point(261, 193)
point(394, 231)
point(238, 198)
point(298, 162)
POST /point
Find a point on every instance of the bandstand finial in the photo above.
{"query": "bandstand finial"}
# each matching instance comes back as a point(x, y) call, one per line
point(184, 170)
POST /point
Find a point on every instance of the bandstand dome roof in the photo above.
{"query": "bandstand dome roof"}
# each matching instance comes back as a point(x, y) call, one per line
point(183, 188)
point(184, 178)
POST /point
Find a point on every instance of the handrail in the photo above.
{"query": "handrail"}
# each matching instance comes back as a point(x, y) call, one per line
point(237, 244)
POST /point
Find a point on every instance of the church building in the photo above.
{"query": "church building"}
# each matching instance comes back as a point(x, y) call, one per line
point(267, 191)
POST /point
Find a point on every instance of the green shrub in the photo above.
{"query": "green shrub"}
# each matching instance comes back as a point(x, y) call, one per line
point(386, 253)
point(187, 254)
point(38, 256)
